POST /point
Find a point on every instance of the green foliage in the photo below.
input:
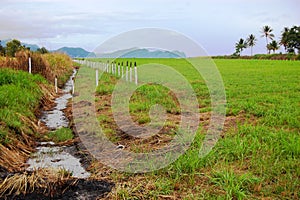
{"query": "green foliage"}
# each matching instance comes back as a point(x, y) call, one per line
point(19, 97)
point(251, 41)
point(61, 135)
point(240, 46)
point(12, 47)
point(42, 50)
point(2, 50)
point(4, 135)
point(273, 46)
point(267, 33)
point(292, 39)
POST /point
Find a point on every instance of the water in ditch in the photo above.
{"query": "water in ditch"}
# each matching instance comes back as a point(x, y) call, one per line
point(49, 155)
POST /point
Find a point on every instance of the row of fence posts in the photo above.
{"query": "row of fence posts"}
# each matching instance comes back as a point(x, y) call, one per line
point(117, 69)
point(125, 71)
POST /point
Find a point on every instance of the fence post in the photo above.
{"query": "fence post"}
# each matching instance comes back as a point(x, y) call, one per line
point(73, 85)
point(29, 64)
point(122, 69)
point(97, 78)
point(130, 72)
point(127, 72)
point(107, 66)
point(135, 74)
point(119, 70)
point(112, 68)
point(55, 83)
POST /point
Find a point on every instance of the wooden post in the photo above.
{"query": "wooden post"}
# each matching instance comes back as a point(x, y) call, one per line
point(29, 64)
point(73, 85)
point(127, 72)
point(130, 72)
point(55, 83)
point(106, 68)
point(97, 79)
point(122, 69)
point(119, 70)
point(113, 68)
point(135, 74)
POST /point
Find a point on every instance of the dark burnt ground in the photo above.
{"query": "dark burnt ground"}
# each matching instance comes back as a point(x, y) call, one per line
point(71, 189)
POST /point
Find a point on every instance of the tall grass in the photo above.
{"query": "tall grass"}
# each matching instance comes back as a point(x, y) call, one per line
point(48, 65)
point(20, 95)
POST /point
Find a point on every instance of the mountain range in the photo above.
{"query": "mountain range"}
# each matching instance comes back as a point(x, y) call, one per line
point(77, 52)
point(142, 53)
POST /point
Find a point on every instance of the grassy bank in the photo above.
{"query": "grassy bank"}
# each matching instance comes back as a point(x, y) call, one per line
point(258, 155)
point(22, 96)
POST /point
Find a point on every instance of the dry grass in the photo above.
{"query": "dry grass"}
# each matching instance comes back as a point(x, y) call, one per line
point(47, 65)
point(41, 180)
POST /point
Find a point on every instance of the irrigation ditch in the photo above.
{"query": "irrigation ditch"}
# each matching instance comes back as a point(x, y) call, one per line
point(56, 170)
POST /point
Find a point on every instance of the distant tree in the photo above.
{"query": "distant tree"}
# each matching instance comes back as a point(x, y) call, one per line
point(251, 41)
point(284, 40)
point(42, 50)
point(12, 47)
point(273, 46)
point(294, 39)
point(240, 46)
point(2, 50)
point(267, 33)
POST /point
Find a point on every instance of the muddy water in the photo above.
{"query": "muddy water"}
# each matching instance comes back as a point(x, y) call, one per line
point(49, 155)
point(56, 118)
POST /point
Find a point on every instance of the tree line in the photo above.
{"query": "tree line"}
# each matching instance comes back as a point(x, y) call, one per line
point(13, 46)
point(290, 40)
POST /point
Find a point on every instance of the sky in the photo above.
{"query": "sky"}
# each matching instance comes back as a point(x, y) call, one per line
point(216, 25)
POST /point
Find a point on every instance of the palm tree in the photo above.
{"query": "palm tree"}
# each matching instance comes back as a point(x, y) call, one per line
point(267, 33)
point(251, 41)
point(285, 38)
point(273, 46)
point(240, 46)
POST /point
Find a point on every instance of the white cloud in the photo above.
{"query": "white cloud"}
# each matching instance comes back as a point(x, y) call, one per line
point(210, 22)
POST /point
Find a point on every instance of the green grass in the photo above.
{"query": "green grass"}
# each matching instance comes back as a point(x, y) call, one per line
point(61, 135)
point(19, 97)
point(259, 158)
point(235, 186)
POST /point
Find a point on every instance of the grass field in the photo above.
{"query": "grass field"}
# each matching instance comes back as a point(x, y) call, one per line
point(258, 155)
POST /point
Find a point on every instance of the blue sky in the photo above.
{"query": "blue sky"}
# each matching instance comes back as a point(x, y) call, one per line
point(215, 24)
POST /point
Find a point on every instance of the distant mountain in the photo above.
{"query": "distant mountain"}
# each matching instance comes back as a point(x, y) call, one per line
point(33, 47)
point(142, 53)
point(75, 52)
point(115, 54)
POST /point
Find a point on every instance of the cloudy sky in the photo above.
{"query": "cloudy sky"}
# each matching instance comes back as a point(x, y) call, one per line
point(215, 24)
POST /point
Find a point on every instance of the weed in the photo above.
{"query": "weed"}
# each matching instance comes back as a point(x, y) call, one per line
point(61, 135)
